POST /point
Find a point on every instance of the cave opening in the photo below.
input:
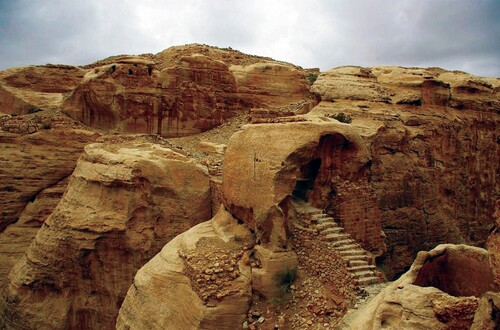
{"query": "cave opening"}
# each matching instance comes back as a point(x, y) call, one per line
point(305, 183)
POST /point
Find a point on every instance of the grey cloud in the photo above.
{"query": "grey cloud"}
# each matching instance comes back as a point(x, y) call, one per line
point(461, 34)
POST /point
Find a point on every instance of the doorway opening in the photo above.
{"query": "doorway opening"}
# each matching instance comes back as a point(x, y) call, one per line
point(305, 183)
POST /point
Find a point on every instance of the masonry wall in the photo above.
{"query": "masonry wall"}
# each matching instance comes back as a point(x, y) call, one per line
point(355, 208)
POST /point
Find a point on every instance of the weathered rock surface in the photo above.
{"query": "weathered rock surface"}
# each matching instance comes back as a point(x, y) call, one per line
point(17, 237)
point(30, 163)
point(433, 139)
point(417, 167)
point(182, 90)
point(440, 291)
point(260, 177)
point(126, 198)
point(276, 271)
point(493, 245)
point(24, 89)
point(200, 280)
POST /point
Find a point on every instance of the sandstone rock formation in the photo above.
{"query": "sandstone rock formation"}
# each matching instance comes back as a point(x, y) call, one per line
point(493, 245)
point(260, 177)
point(433, 139)
point(182, 90)
point(440, 291)
point(35, 157)
point(126, 198)
point(25, 89)
point(401, 159)
point(17, 237)
point(200, 280)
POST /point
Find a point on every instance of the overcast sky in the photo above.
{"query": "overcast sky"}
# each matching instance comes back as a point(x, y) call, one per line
point(453, 34)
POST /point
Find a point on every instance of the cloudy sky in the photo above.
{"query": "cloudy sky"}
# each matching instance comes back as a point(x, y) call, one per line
point(453, 34)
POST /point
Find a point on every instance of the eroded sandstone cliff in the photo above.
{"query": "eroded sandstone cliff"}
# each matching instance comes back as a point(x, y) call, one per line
point(433, 139)
point(416, 167)
point(182, 90)
point(126, 199)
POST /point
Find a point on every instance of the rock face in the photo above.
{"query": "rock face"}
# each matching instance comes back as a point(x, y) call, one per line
point(440, 291)
point(30, 163)
point(17, 237)
point(493, 245)
point(182, 90)
point(126, 198)
point(402, 159)
point(26, 89)
point(323, 155)
point(200, 280)
point(433, 139)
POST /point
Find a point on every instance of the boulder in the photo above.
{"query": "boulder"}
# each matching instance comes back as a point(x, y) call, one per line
point(276, 272)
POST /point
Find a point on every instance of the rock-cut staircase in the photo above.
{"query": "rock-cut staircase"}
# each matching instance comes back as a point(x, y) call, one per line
point(358, 262)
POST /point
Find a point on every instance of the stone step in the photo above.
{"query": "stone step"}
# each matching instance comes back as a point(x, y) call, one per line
point(357, 262)
point(360, 257)
point(339, 242)
point(309, 211)
point(367, 281)
point(320, 216)
point(337, 239)
point(353, 252)
point(326, 220)
point(362, 274)
point(353, 246)
point(331, 230)
point(358, 268)
point(326, 225)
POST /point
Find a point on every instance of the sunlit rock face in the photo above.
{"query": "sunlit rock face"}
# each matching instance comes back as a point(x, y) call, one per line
point(126, 199)
point(25, 89)
point(200, 280)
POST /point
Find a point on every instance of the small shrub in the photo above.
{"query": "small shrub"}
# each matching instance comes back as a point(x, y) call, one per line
point(342, 117)
point(285, 279)
point(311, 77)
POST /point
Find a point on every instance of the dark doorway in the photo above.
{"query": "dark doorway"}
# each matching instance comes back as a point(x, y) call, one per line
point(305, 183)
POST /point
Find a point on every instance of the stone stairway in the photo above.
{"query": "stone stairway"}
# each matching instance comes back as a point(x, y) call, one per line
point(356, 258)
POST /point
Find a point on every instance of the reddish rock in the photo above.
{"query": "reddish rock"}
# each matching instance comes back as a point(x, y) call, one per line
point(182, 90)
point(434, 152)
